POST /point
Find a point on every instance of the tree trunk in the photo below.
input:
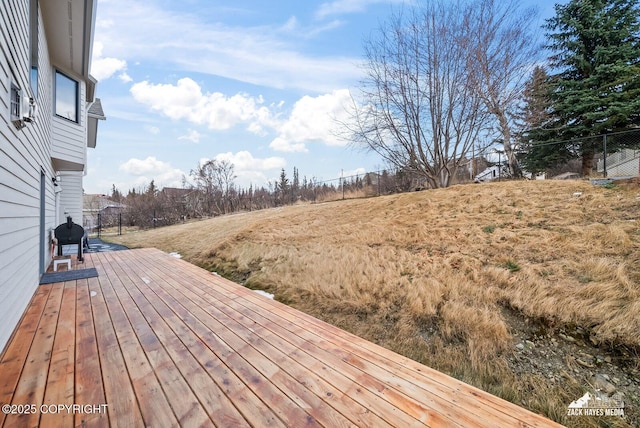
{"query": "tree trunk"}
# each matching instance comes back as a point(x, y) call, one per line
point(514, 168)
point(587, 162)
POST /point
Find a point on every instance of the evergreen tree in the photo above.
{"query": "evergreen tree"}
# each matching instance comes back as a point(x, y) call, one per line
point(596, 89)
point(152, 189)
point(115, 194)
point(282, 186)
point(533, 119)
point(296, 179)
point(535, 113)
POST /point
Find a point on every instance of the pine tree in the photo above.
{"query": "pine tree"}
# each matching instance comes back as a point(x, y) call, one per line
point(115, 194)
point(596, 90)
point(534, 113)
point(296, 179)
point(152, 190)
point(282, 186)
point(533, 119)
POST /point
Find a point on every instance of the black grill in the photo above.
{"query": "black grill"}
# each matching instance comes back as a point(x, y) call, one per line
point(70, 233)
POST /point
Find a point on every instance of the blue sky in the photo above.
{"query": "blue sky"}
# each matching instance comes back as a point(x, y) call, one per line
point(259, 83)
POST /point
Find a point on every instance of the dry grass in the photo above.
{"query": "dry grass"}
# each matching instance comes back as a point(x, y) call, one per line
point(428, 274)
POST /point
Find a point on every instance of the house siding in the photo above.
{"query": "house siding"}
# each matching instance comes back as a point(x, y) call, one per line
point(71, 196)
point(26, 158)
point(624, 163)
point(69, 139)
point(24, 154)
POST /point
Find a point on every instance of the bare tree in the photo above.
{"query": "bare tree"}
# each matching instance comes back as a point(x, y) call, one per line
point(214, 179)
point(205, 181)
point(502, 53)
point(224, 176)
point(416, 107)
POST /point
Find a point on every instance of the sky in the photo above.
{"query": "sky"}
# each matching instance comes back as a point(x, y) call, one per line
point(261, 84)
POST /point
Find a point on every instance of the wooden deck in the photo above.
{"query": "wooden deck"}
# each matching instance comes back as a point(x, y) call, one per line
point(161, 342)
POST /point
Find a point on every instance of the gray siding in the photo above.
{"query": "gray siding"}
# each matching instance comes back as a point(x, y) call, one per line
point(70, 138)
point(71, 196)
point(23, 155)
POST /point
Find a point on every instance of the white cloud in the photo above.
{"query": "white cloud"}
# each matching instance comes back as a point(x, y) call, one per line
point(145, 170)
point(152, 129)
point(250, 170)
point(185, 100)
point(244, 161)
point(314, 119)
point(103, 68)
point(352, 172)
point(291, 24)
point(341, 7)
point(125, 78)
point(262, 55)
point(192, 135)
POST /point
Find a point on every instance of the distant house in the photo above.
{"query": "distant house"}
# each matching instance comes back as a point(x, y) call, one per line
point(491, 173)
point(99, 209)
point(566, 176)
point(176, 193)
point(625, 163)
point(48, 118)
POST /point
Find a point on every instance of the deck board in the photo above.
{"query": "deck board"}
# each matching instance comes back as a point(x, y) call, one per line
point(89, 388)
point(165, 343)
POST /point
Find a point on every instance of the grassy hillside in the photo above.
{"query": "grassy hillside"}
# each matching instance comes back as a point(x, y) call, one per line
point(508, 286)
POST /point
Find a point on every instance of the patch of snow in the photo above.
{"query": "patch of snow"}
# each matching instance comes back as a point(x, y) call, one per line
point(146, 280)
point(264, 293)
point(176, 255)
point(93, 294)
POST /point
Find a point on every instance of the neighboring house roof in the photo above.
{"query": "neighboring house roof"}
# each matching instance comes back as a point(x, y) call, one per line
point(96, 109)
point(97, 203)
point(566, 176)
point(488, 173)
point(94, 114)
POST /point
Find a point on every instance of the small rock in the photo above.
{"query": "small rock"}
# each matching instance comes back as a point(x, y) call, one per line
point(602, 384)
point(586, 357)
point(584, 363)
point(530, 343)
point(605, 376)
point(567, 338)
point(607, 359)
point(520, 347)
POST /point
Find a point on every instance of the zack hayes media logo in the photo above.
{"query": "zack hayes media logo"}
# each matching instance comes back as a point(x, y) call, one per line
point(598, 404)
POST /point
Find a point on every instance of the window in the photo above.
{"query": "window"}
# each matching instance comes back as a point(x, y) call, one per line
point(66, 97)
point(33, 42)
point(34, 82)
point(16, 99)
